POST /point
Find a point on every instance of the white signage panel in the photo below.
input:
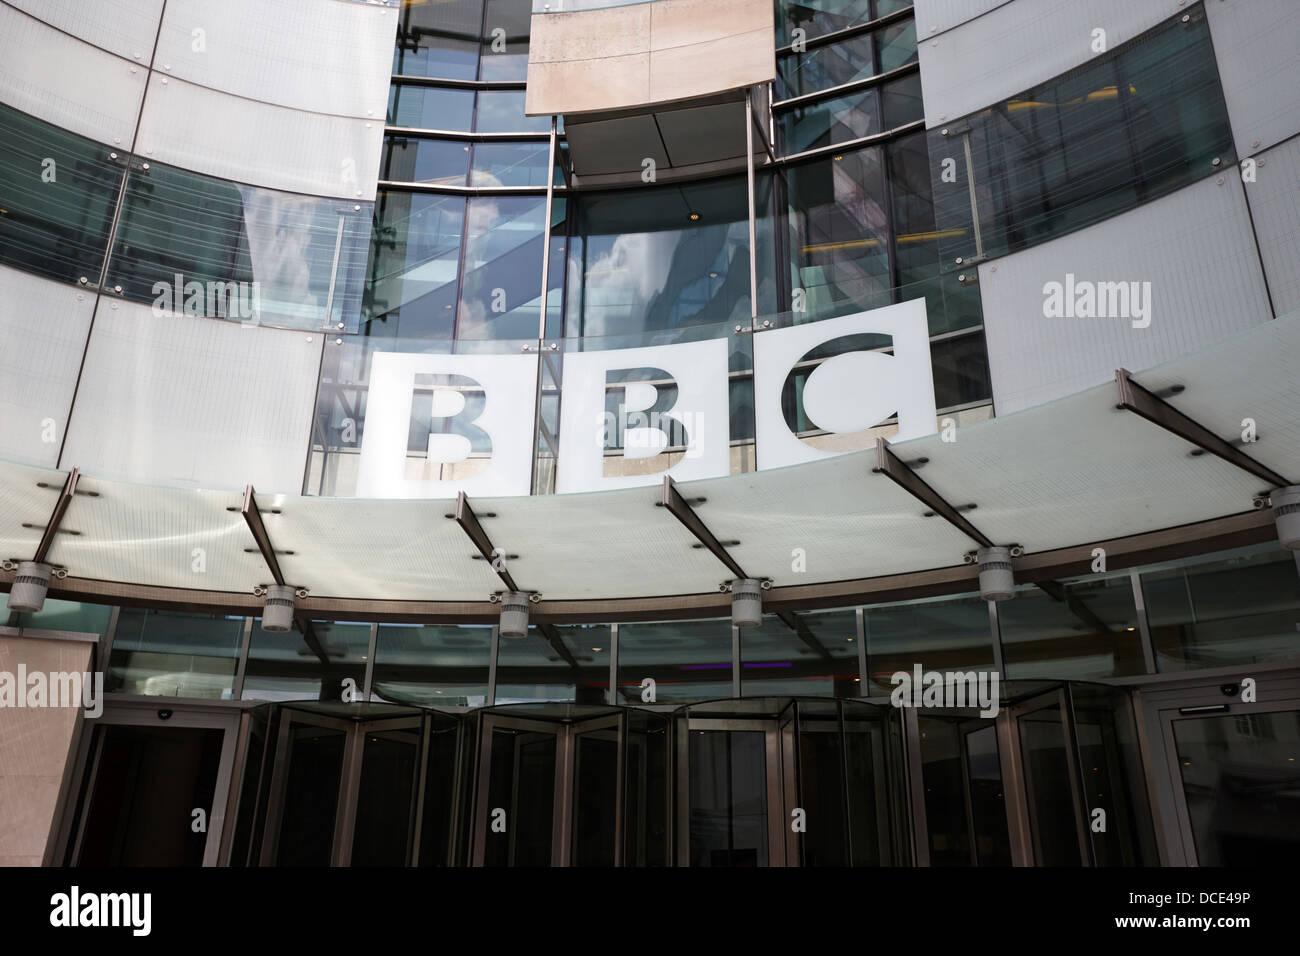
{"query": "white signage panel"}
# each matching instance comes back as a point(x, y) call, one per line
point(646, 417)
point(406, 450)
point(850, 392)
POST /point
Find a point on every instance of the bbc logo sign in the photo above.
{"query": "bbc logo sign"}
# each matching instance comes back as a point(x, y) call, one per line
point(668, 404)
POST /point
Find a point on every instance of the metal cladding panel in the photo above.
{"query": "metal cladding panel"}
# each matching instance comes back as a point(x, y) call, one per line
point(325, 57)
point(1275, 207)
point(1255, 44)
point(1020, 44)
point(935, 16)
point(64, 81)
point(125, 27)
point(193, 402)
point(250, 142)
point(1197, 292)
point(38, 363)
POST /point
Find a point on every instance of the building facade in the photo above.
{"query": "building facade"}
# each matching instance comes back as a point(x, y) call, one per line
point(684, 432)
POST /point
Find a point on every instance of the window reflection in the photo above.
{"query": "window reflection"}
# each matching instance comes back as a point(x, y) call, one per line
point(1242, 608)
point(439, 39)
point(322, 665)
point(210, 231)
point(414, 260)
point(686, 660)
point(1083, 628)
point(939, 635)
point(427, 107)
point(660, 258)
point(55, 227)
point(569, 663)
point(818, 656)
point(174, 654)
point(502, 277)
point(437, 665)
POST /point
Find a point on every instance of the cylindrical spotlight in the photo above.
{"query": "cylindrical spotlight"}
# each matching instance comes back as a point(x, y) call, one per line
point(277, 614)
point(997, 581)
point(514, 614)
point(746, 602)
point(31, 582)
point(1286, 512)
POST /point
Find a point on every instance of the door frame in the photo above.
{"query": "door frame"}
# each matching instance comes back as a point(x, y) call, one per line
point(133, 711)
point(1161, 706)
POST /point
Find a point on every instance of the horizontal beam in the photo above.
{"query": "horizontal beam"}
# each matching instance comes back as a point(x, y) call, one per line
point(889, 464)
point(679, 509)
point(56, 516)
point(1156, 410)
point(469, 523)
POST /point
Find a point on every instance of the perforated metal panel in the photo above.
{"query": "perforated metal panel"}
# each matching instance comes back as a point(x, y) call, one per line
point(324, 57)
point(375, 549)
point(1255, 44)
point(23, 501)
point(1275, 207)
point(64, 81)
point(169, 537)
point(193, 402)
point(39, 359)
point(250, 142)
point(124, 27)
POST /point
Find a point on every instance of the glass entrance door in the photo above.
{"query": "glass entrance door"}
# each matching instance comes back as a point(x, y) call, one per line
point(788, 782)
point(570, 785)
point(1235, 769)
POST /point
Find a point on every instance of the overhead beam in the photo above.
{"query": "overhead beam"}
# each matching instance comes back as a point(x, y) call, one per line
point(253, 518)
point(56, 516)
point(677, 506)
point(552, 635)
point(1156, 410)
point(893, 468)
point(797, 624)
point(469, 523)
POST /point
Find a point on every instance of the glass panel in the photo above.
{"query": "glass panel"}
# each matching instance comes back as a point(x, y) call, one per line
point(1239, 609)
point(728, 798)
point(60, 616)
point(946, 813)
point(839, 229)
point(687, 660)
point(946, 634)
point(439, 39)
point(505, 40)
point(896, 45)
point(639, 262)
point(438, 832)
point(386, 791)
point(57, 196)
point(430, 107)
point(595, 797)
point(1240, 776)
point(432, 664)
point(521, 781)
point(442, 162)
point(1052, 809)
point(1113, 779)
point(251, 253)
point(988, 806)
point(511, 164)
point(817, 658)
point(1082, 628)
point(822, 787)
point(647, 791)
point(871, 785)
point(173, 654)
point(816, 17)
point(291, 666)
point(1129, 126)
point(961, 371)
point(502, 111)
point(830, 121)
point(901, 101)
point(411, 281)
point(148, 783)
point(313, 767)
point(501, 283)
point(569, 663)
point(822, 67)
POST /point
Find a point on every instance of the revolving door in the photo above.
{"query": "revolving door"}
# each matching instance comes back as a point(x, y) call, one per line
point(790, 782)
point(569, 785)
